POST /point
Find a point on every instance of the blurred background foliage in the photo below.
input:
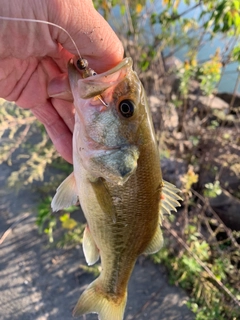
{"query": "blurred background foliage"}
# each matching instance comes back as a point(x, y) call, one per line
point(187, 54)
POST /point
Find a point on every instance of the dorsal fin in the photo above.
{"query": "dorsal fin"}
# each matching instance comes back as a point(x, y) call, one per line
point(169, 199)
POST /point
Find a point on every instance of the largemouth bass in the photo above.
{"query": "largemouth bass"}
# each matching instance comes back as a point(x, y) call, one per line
point(118, 181)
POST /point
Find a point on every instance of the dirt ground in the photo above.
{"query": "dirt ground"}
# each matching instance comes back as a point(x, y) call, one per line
point(37, 283)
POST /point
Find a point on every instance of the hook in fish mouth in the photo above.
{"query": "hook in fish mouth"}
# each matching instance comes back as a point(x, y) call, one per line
point(82, 65)
point(103, 102)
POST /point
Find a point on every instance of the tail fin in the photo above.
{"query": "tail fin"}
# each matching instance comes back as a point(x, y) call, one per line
point(93, 300)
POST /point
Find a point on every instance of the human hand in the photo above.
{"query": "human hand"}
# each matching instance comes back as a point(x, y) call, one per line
point(34, 56)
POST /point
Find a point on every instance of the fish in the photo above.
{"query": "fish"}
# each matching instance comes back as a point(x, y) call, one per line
point(118, 181)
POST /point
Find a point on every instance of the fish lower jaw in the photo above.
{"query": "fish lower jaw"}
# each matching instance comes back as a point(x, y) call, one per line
point(88, 154)
point(115, 165)
point(89, 145)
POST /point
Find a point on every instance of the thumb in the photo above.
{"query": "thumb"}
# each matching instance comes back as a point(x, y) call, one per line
point(95, 39)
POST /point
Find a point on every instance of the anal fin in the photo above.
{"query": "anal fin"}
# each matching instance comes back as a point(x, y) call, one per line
point(90, 249)
point(66, 194)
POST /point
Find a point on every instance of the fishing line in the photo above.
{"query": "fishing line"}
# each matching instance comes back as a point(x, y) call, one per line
point(45, 22)
point(82, 64)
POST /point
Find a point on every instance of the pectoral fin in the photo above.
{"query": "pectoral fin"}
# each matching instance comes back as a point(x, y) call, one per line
point(156, 243)
point(90, 249)
point(169, 199)
point(66, 194)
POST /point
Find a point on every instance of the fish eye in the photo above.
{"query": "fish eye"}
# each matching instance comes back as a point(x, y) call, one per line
point(126, 108)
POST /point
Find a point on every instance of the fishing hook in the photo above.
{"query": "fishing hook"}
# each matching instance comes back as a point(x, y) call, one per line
point(82, 65)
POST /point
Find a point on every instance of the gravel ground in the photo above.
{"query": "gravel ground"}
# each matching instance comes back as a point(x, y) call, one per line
point(39, 283)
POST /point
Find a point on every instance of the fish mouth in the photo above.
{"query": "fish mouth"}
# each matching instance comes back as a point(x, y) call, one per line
point(95, 85)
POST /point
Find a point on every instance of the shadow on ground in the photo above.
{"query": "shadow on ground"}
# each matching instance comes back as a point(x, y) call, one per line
point(38, 283)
